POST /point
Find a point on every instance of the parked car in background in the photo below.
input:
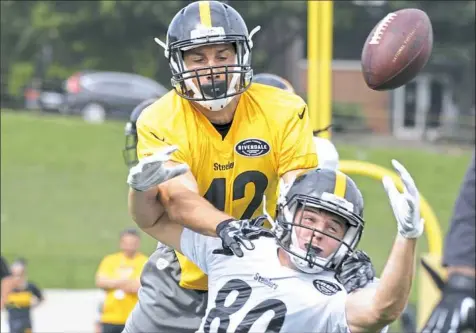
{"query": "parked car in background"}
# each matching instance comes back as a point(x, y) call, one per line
point(45, 95)
point(96, 96)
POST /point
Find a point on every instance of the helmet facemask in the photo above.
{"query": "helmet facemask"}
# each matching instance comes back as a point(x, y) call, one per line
point(129, 152)
point(308, 259)
point(216, 94)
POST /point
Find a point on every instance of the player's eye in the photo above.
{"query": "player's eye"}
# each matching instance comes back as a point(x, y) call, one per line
point(335, 227)
point(309, 219)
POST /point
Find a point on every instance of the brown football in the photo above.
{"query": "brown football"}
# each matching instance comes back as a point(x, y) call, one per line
point(397, 48)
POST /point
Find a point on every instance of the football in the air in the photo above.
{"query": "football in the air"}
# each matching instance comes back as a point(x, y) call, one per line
point(397, 48)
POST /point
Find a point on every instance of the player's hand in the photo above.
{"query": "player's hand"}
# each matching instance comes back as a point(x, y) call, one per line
point(151, 170)
point(234, 235)
point(455, 311)
point(406, 205)
point(356, 271)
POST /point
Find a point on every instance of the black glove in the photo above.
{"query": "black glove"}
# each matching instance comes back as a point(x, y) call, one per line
point(356, 271)
point(455, 311)
point(233, 234)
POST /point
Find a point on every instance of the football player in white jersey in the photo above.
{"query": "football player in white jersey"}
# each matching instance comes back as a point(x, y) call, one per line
point(285, 281)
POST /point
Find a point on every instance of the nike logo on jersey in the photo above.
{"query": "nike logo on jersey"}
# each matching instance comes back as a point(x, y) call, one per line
point(158, 138)
point(266, 281)
point(301, 115)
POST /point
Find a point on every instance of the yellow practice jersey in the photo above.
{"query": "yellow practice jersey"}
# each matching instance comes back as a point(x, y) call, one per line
point(20, 300)
point(270, 135)
point(118, 304)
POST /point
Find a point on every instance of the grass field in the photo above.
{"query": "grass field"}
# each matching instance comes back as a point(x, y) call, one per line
point(63, 192)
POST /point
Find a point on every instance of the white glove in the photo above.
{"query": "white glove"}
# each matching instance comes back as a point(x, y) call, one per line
point(151, 171)
point(406, 205)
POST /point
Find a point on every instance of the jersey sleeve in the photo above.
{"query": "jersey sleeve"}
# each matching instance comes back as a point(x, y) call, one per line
point(154, 133)
point(198, 248)
point(297, 146)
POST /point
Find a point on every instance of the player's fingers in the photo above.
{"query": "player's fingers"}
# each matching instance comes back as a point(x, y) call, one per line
point(169, 150)
point(160, 155)
point(430, 325)
point(135, 170)
point(246, 243)
point(235, 247)
point(406, 178)
point(453, 322)
point(130, 179)
point(470, 321)
point(391, 190)
point(176, 171)
point(347, 275)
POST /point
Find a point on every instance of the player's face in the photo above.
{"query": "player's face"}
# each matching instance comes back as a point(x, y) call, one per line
point(129, 244)
point(208, 56)
point(324, 222)
point(18, 271)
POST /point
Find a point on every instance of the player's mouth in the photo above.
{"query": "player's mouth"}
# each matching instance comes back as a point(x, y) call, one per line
point(313, 250)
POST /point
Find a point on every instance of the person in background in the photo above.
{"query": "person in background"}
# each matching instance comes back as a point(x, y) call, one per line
point(8, 282)
point(24, 296)
point(118, 274)
point(455, 311)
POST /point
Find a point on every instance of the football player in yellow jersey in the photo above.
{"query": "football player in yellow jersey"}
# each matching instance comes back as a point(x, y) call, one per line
point(25, 296)
point(229, 142)
point(118, 274)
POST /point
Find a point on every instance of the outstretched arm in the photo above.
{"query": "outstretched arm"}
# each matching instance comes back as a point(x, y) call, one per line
point(373, 309)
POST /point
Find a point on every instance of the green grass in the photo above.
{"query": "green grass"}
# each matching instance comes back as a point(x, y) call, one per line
point(63, 196)
point(64, 200)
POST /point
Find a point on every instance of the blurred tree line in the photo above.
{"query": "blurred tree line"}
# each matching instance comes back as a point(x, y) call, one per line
point(53, 39)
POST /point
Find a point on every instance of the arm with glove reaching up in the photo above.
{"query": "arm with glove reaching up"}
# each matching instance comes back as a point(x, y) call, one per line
point(371, 309)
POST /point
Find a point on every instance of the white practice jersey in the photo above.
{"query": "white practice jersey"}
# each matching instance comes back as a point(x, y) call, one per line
point(256, 293)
